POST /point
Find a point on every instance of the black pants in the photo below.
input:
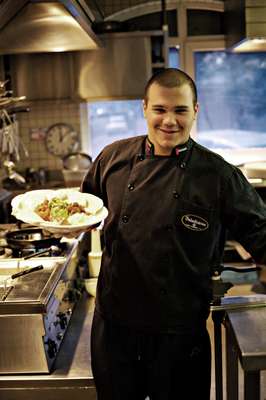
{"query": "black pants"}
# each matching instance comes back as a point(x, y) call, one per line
point(128, 365)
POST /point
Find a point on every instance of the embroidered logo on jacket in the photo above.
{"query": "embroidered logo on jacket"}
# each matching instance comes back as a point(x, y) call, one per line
point(194, 222)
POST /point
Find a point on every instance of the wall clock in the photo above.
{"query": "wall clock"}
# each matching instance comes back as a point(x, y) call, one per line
point(61, 139)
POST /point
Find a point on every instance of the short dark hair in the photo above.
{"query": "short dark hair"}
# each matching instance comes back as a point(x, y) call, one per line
point(172, 77)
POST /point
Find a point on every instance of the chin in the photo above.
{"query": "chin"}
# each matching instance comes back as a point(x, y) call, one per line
point(169, 144)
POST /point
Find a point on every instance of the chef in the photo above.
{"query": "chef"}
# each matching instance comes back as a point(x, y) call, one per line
point(170, 203)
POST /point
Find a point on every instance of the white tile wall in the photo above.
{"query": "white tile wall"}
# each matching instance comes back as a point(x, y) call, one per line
point(43, 114)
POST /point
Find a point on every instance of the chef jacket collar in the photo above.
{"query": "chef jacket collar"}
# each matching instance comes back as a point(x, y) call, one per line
point(176, 152)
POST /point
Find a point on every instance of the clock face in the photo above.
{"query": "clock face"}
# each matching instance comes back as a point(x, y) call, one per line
point(61, 139)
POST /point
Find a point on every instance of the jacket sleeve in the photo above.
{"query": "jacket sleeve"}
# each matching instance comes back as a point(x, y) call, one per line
point(244, 214)
point(92, 180)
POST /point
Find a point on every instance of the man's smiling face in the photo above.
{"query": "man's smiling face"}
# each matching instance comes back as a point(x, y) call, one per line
point(170, 114)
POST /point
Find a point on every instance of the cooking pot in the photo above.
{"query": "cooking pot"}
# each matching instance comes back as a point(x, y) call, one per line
point(30, 238)
point(75, 167)
point(77, 161)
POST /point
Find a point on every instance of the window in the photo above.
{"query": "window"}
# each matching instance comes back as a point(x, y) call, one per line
point(232, 98)
point(113, 120)
point(173, 59)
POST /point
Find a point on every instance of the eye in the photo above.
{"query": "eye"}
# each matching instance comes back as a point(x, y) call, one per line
point(181, 111)
point(158, 110)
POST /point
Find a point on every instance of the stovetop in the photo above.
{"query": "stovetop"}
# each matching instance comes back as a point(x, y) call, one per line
point(59, 250)
point(28, 252)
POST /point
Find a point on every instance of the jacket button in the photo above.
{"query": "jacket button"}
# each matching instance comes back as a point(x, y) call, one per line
point(125, 219)
point(183, 165)
point(130, 186)
point(176, 194)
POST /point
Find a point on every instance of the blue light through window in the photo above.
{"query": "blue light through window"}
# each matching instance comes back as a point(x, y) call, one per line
point(232, 97)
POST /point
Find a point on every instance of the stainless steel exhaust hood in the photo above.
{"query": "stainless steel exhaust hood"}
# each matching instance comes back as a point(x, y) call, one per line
point(38, 27)
point(245, 25)
point(119, 70)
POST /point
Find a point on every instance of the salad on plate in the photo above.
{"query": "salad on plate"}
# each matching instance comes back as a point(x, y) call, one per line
point(63, 209)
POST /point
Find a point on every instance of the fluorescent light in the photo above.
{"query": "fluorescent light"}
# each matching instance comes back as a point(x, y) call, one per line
point(254, 44)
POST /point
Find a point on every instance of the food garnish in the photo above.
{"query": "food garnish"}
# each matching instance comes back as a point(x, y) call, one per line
point(59, 210)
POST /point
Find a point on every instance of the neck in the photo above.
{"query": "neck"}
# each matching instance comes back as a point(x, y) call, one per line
point(151, 149)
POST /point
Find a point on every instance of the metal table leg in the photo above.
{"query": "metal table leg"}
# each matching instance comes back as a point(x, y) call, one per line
point(217, 317)
point(231, 366)
point(252, 385)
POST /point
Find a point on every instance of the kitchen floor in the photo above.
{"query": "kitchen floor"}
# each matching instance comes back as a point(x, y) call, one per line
point(237, 289)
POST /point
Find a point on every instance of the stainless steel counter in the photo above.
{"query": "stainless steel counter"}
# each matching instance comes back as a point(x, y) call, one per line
point(71, 377)
point(245, 342)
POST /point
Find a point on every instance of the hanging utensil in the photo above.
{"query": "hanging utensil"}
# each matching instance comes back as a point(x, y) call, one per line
point(3, 83)
point(12, 174)
point(4, 101)
point(10, 141)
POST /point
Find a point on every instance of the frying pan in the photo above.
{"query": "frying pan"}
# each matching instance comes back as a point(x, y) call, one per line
point(30, 238)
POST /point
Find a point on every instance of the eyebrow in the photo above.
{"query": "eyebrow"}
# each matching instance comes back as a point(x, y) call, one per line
point(180, 108)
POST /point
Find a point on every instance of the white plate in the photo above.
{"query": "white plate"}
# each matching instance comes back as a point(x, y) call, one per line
point(23, 207)
point(62, 230)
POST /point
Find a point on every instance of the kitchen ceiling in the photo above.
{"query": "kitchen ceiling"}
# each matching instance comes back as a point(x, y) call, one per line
point(109, 7)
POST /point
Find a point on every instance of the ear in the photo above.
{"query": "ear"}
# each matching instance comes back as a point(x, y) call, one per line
point(196, 109)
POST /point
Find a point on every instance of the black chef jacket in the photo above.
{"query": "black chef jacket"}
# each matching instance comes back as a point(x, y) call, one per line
point(165, 232)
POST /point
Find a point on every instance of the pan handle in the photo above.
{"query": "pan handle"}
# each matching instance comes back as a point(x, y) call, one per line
point(38, 253)
point(26, 271)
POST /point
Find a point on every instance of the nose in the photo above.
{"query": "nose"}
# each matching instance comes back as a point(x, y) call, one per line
point(170, 119)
